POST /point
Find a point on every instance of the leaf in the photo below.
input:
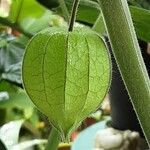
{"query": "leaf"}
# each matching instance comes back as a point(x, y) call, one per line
point(49, 3)
point(9, 133)
point(66, 75)
point(21, 9)
point(11, 53)
point(85, 7)
point(141, 18)
point(28, 144)
point(7, 87)
point(16, 99)
point(140, 3)
point(23, 18)
point(34, 25)
point(13, 73)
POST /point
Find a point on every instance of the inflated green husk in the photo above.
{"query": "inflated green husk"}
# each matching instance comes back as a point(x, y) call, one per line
point(66, 75)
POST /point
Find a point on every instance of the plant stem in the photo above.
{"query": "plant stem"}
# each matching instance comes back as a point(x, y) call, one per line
point(53, 140)
point(2, 116)
point(73, 14)
point(126, 50)
point(64, 10)
point(5, 22)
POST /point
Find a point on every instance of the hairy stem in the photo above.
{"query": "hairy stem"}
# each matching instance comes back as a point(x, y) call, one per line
point(73, 14)
point(126, 50)
point(64, 9)
point(53, 140)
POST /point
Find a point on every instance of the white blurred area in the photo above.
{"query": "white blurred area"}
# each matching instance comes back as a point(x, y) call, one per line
point(4, 7)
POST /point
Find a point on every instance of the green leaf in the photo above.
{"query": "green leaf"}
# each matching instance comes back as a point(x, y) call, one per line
point(9, 133)
point(16, 99)
point(140, 3)
point(14, 10)
point(24, 19)
point(21, 9)
point(85, 6)
point(15, 104)
point(8, 87)
point(34, 25)
point(49, 3)
point(66, 75)
point(141, 18)
point(11, 53)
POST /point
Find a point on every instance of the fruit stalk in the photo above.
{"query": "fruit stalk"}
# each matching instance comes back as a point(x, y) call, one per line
point(128, 56)
point(53, 140)
point(73, 14)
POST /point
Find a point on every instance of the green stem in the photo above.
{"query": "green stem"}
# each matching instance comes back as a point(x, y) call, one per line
point(15, 26)
point(53, 140)
point(64, 10)
point(73, 14)
point(2, 116)
point(126, 50)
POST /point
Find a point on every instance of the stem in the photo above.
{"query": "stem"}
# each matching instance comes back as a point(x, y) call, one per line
point(53, 140)
point(64, 10)
point(126, 50)
point(2, 116)
point(73, 14)
point(5, 22)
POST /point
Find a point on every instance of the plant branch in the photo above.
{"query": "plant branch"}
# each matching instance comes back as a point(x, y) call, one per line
point(64, 9)
point(53, 140)
point(73, 14)
point(128, 56)
point(15, 26)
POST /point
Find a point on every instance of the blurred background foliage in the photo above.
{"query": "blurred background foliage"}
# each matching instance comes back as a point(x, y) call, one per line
point(141, 3)
point(19, 21)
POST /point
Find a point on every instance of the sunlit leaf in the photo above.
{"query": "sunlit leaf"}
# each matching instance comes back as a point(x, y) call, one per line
point(21, 9)
point(33, 25)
